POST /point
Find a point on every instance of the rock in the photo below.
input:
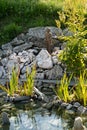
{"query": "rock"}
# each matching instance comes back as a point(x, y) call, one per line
point(4, 61)
point(76, 104)
point(13, 56)
point(23, 57)
point(55, 73)
point(39, 76)
point(66, 32)
point(64, 105)
point(1, 53)
point(21, 36)
point(69, 106)
point(39, 32)
point(7, 46)
point(25, 68)
point(55, 59)
point(7, 49)
point(16, 42)
point(34, 51)
point(11, 65)
point(22, 47)
point(78, 125)
point(44, 60)
point(5, 119)
point(81, 110)
point(2, 71)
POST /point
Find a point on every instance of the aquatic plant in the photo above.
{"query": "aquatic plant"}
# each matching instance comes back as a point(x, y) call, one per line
point(81, 88)
point(15, 88)
point(62, 90)
point(29, 84)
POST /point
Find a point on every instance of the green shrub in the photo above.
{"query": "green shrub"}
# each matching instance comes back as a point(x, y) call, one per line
point(73, 17)
point(12, 30)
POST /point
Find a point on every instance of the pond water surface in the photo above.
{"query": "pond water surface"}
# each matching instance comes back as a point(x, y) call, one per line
point(31, 116)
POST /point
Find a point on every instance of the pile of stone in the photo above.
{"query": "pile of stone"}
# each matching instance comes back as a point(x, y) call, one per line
point(29, 49)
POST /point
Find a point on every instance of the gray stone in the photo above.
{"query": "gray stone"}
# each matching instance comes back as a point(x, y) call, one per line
point(34, 51)
point(17, 42)
point(39, 75)
point(25, 68)
point(13, 56)
point(81, 110)
point(69, 106)
point(55, 73)
point(12, 64)
point(1, 52)
point(78, 125)
point(5, 119)
point(21, 36)
point(4, 61)
point(22, 47)
point(76, 104)
point(39, 32)
point(2, 71)
point(44, 60)
point(7, 46)
point(64, 105)
point(66, 32)
point(55, 59)
point(7, 49)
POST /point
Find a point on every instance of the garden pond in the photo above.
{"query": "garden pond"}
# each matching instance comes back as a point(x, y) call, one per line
point(33, 116)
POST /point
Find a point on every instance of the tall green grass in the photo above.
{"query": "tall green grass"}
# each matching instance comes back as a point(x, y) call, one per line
point(27, 13)
point(15, 88)
point(81, 88)
point(62, 91)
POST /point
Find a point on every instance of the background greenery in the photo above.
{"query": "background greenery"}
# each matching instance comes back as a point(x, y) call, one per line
point(17, 16)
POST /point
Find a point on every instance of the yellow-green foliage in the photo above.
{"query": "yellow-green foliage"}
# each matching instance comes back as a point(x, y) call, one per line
point(15, 88)
point(62, 91)
point(29, 84)
point(81, 88)
point(73, 17)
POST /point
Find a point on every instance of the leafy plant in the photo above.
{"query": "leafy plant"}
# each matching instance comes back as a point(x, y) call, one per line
point(73, 17)
point(62, 91)
point(81, 88)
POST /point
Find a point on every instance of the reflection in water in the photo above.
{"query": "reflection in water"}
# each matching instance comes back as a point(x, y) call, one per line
point(38, 118)
point(5, 127)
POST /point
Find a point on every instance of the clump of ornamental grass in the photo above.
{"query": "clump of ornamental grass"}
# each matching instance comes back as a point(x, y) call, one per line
point(81, 88)
point(15, 88)
point(13, 84)
point(28, 86)
point(62, 90)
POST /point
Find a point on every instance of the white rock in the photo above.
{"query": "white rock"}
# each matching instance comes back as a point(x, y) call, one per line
point(55, 59)
point(78, 125)
point(44, 60)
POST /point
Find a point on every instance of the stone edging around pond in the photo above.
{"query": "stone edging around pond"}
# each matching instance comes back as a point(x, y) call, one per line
point(74, 107)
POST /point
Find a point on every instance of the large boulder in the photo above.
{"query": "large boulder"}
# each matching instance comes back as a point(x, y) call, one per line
point(39, 32)
point(44, 60)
